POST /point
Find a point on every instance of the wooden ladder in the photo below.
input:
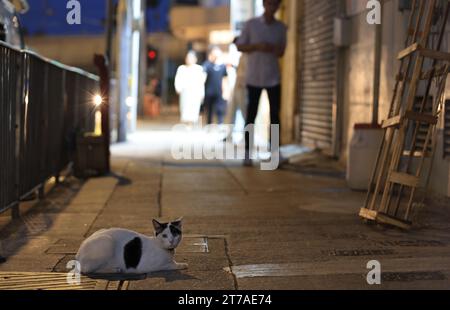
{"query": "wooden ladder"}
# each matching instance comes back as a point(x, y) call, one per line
point(400, 169)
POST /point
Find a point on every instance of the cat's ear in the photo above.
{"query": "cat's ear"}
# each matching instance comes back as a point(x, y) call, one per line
point(178, 223)
point(157, 226)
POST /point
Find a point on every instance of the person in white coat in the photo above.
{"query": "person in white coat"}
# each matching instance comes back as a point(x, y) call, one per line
point(190, 85)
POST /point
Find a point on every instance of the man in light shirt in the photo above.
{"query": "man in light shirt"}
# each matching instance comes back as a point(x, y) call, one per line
point(264, 40)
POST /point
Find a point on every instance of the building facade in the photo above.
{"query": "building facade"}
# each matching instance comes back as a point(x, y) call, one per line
point(332, 86)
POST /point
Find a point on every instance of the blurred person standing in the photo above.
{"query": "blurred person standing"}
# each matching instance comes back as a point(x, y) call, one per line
point(263, 39)
point(216, 80)
point(152, 98)
point(190, 85)
point(239, 97)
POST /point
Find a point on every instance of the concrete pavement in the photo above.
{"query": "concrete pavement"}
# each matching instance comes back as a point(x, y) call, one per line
point(244, 228)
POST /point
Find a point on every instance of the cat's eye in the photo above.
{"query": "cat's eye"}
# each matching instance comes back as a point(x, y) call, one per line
point(164, 236)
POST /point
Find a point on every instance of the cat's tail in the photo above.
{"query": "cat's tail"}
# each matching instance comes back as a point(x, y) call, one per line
point(95, 254)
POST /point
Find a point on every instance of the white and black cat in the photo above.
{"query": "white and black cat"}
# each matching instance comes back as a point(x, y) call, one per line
point(121, 251)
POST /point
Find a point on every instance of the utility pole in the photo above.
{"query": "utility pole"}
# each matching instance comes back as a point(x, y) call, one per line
point(109, 33)
point(377, 69)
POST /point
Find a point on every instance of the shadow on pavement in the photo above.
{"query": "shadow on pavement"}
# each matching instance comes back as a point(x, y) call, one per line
point(169, 276)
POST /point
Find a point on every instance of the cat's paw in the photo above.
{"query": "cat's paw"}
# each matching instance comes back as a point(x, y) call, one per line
point(182, 266)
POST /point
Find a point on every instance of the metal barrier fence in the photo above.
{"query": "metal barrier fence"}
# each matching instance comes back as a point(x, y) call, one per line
point(44, 105)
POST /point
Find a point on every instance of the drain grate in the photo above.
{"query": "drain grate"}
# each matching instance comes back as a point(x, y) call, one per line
point(194, 245)
point(352, 253)
point(53, 281)
point(412, 276)
point(65, 246)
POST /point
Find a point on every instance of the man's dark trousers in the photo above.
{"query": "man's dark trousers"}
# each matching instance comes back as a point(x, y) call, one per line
point(254, 96)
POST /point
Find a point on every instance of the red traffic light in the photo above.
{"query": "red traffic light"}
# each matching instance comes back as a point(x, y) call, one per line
point(152, 55)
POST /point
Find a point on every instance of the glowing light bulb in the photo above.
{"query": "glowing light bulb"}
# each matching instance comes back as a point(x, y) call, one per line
point(98, 100)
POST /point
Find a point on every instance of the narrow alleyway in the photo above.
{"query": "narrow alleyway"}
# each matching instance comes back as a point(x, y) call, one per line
point(244, 228)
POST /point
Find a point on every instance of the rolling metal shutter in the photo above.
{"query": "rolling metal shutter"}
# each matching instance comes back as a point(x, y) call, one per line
point(317, 74)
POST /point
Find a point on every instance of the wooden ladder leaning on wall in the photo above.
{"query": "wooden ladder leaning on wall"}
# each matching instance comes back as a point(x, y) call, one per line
point(401, 167)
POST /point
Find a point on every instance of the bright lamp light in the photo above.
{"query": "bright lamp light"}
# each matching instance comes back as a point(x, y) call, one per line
point(98, 100)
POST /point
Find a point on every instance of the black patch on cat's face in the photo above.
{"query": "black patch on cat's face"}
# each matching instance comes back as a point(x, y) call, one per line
point(159, 228)
point(132, 253)
point(175, 231)
point(178, 224)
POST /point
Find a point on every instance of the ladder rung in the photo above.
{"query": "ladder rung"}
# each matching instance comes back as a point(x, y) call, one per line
point(404, 179)
point(393, 121)
point(438, 55)
point(389, 220)
point(434, 72)
point(416, 154)
point(409, 50)
point(368, 214)
point(422, 118)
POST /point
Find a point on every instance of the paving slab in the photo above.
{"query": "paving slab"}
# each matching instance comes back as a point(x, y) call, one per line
point(415, 281)
point(186, 280)
point(284, 229)
point(191, 180)
point(31, 262)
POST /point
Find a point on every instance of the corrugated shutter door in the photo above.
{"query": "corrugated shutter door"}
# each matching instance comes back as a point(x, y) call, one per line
point(318, 69)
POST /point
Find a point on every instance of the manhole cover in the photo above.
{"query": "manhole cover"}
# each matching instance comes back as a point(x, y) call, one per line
point(53, 281)
point(65, 246)
point(194, 245)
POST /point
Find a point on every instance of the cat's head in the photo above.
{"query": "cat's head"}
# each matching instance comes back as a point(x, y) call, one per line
point(169, 234)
